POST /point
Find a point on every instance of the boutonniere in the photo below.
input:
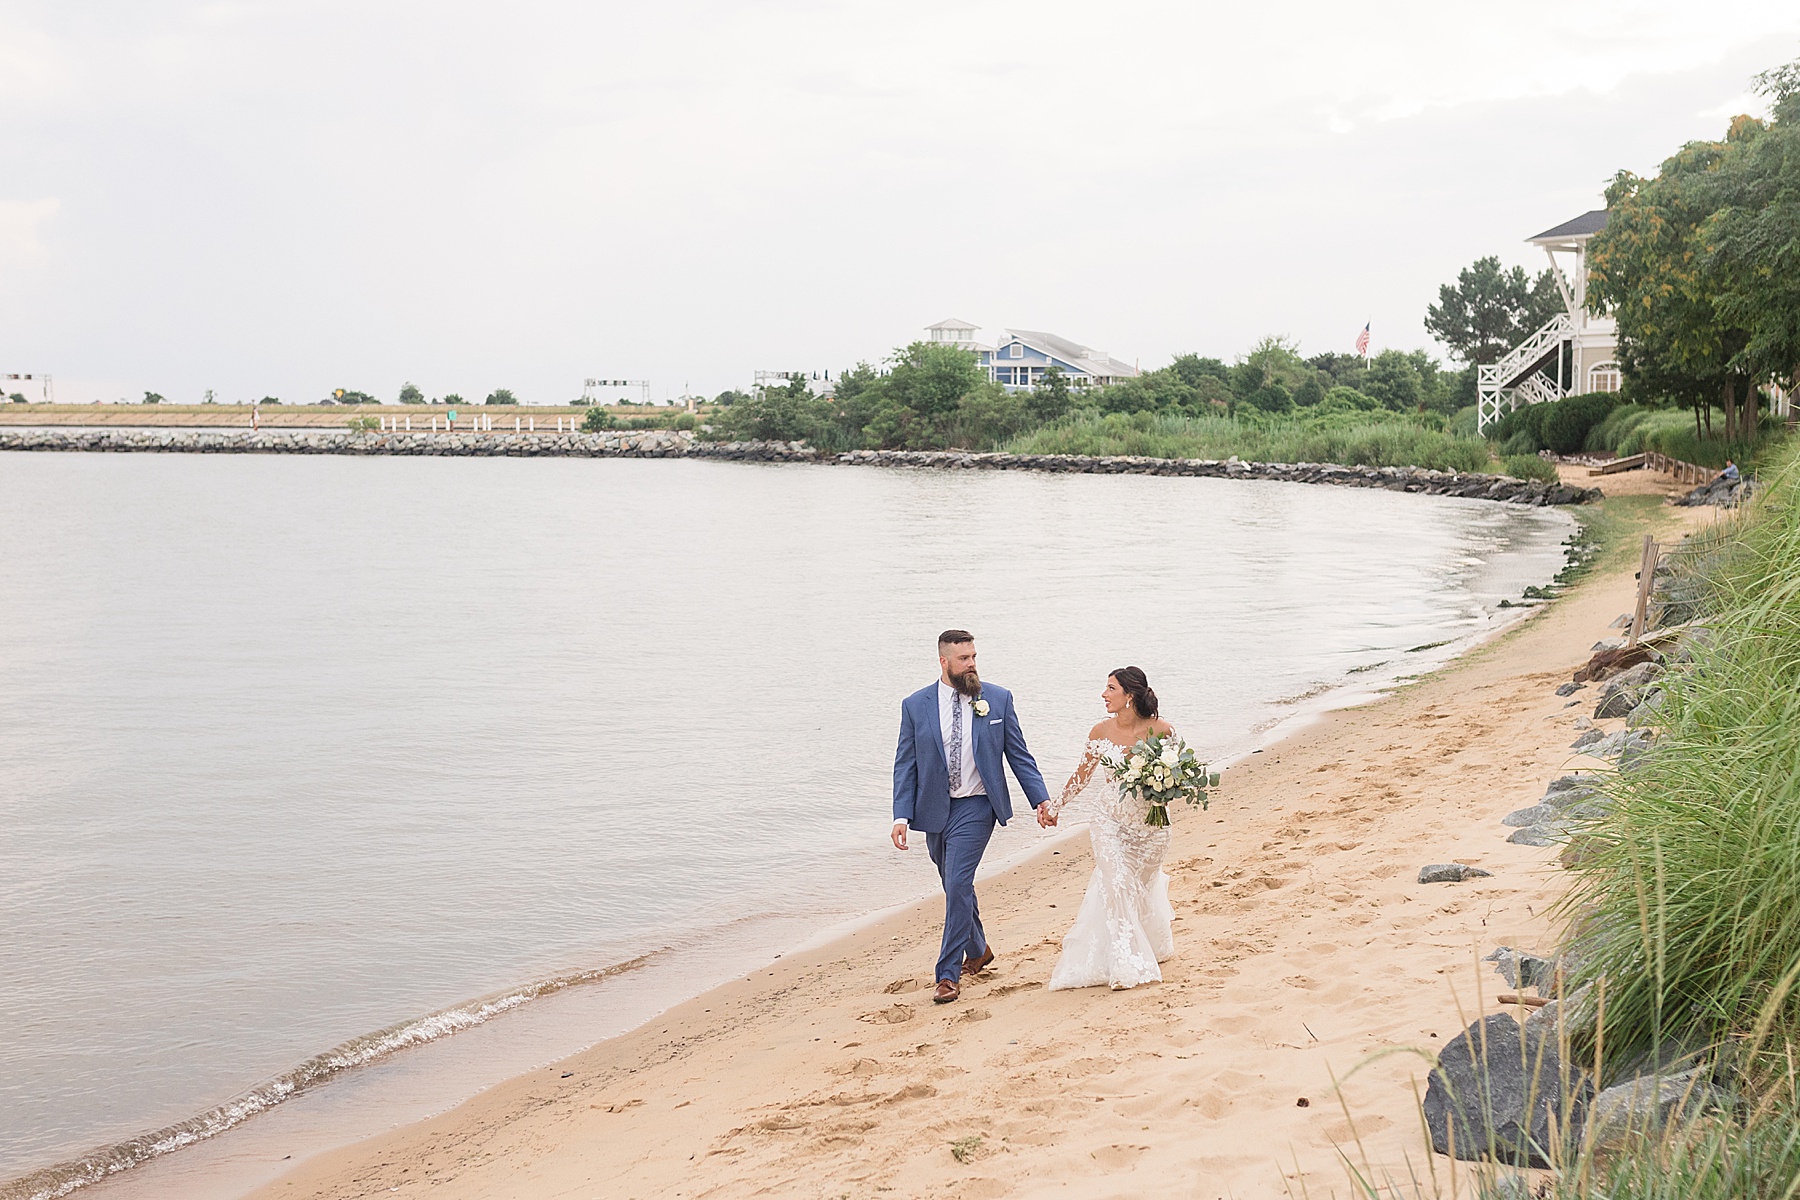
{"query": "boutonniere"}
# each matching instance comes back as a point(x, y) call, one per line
point(980, 706)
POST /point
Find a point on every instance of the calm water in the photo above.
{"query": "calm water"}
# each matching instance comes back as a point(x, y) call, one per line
point(298, 749)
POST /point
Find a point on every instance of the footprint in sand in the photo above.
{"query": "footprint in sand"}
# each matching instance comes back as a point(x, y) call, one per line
point(894, 1015)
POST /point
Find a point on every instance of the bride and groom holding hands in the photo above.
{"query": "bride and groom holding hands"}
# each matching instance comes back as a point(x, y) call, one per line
point(950, 785)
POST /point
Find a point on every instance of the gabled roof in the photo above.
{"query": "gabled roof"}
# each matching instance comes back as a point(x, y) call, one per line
point(953, 323)
point(1084, 359)
point(1584, 226)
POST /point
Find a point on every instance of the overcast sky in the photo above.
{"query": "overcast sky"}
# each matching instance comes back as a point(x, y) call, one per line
point(286, 196)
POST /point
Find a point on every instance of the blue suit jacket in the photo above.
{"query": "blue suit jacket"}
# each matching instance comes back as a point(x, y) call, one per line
point(922, 777)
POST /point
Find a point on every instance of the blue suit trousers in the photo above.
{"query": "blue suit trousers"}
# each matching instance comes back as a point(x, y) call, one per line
point(957, 852)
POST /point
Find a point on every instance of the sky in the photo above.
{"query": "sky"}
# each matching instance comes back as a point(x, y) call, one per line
point(283, 197)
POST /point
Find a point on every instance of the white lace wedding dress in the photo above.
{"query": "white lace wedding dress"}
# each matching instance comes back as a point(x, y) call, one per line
point(1123, 929)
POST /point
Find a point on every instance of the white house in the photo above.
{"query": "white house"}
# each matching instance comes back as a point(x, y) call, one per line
point(1576, 350)
point(1020, 357)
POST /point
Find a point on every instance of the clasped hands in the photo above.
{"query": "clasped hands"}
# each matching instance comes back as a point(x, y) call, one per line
point(1045, 817)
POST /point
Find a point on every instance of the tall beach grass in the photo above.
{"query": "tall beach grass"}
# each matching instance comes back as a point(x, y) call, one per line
point(1364, 439)
point(1686, 899)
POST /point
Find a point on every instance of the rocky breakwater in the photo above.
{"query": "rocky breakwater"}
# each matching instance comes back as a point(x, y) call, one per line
point(662, 443)
point(1394, 479)
point(651, 443)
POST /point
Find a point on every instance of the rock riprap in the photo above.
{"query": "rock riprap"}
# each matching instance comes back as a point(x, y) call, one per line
point(682, 444)
point(1569, 800)
point(1502, 1093)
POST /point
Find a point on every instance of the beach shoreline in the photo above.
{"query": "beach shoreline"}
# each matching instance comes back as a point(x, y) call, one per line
point(1304, 947)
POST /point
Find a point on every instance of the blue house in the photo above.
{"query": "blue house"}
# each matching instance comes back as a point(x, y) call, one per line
point(1021, 357)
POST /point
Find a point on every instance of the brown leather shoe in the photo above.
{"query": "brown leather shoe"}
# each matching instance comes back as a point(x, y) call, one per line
point(975, 966)
point(947, 991)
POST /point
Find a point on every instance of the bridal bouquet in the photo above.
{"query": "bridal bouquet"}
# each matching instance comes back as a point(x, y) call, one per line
point(1160, 769)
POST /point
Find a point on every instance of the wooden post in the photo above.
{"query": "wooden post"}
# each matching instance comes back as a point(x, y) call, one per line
point(1646, 576)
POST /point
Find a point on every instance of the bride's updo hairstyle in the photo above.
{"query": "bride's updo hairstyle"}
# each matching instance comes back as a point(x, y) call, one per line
point(1137, 686)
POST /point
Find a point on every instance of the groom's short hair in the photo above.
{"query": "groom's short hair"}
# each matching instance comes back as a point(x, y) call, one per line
point(953, 637)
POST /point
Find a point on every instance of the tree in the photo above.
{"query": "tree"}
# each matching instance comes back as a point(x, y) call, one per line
point(730, 396)
point(16, 398)
point(1488, 310)
point(1049, 400)
point(1393, 378)
point(345, 396)
point(411, 395)
point(452, 398)
point(1272, 397)
point(1192, 368)
point(1754, 237)
point(914, 406)
point(152, 398)
point(1651, 268)
point(1310, 391)
point(776, 414)
point(501, 396)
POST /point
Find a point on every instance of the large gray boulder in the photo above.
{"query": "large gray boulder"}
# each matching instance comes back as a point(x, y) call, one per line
point(1624, 691)
point(1522, 969)
point(1502, 1094)
point(1645, 1106)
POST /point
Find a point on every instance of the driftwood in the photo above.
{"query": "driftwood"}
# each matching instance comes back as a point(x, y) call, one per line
point(1526, 1001)
point(1607, 663)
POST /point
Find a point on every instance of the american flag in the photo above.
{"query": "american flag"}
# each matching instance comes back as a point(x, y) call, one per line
point(1362, 341)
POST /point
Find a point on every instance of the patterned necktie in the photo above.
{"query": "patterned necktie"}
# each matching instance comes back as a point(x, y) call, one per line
point(956, 720)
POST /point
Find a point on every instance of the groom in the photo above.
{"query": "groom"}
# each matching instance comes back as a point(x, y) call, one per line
point(950, 786)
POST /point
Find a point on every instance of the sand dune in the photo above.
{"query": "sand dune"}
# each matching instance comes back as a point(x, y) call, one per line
point(1305, 949)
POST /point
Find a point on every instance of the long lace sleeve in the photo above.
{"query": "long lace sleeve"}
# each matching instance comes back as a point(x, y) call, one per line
point(1084, 771)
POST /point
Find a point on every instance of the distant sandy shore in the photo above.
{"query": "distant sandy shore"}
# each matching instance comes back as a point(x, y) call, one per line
point(1305, 947)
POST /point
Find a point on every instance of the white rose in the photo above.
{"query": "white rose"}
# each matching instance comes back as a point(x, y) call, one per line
point(1170, 754)
point(1137, 762)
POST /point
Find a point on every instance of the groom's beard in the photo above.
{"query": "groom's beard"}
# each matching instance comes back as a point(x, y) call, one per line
point(968, 683)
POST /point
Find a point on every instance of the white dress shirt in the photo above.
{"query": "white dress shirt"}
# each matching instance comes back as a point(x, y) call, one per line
point(948, 697)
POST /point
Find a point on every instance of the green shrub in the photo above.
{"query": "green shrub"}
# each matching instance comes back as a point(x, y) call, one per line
point(1566, 422)
point(598, 420)
point(1520, 443)
point(1560, 426)
point(1528, 466)
point(1462, 422)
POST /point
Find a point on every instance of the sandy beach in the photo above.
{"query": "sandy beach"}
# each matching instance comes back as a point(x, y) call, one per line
point(1305, 949)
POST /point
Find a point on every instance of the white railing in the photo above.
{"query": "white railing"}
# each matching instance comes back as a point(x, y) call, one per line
point(1515, 379)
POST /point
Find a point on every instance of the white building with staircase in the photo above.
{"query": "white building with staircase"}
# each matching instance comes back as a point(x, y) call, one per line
point(1575, 351)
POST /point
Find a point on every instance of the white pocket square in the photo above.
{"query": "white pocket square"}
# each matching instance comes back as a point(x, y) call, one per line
point(996, 720)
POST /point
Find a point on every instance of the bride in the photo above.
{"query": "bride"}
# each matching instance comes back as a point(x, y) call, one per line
point(1123, 930)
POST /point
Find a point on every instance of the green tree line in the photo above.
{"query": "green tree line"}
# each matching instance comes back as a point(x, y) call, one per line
point(933, 396)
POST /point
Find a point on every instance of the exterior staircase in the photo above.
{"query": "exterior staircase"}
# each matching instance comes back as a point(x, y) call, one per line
point(1518, 378)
